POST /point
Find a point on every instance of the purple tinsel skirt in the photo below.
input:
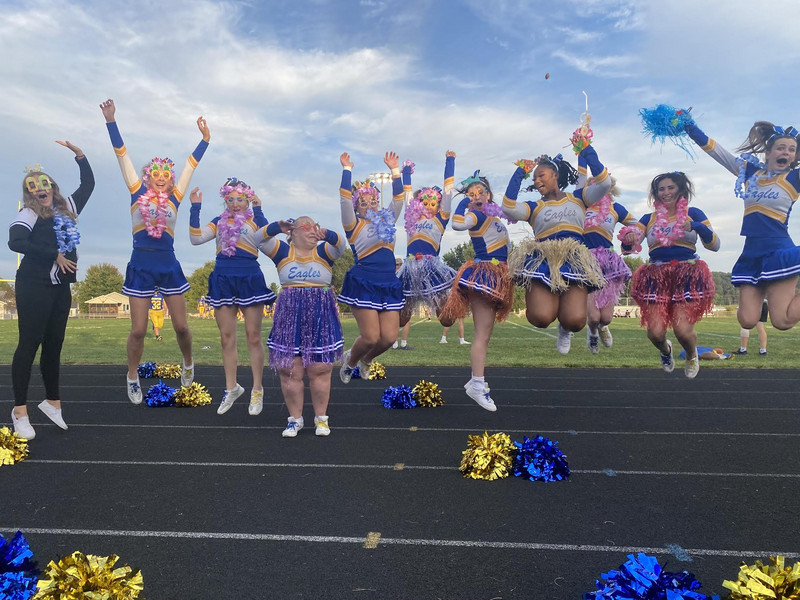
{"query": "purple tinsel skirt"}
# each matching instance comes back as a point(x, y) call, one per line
point(616, 273)
point(306, 324)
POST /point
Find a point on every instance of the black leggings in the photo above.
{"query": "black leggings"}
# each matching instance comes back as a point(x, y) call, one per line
point(42, 311)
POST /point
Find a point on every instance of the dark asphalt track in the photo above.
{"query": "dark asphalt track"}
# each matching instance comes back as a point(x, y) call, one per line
point(223, 507)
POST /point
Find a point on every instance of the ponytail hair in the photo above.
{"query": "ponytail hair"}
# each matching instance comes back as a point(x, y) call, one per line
point(763, 135)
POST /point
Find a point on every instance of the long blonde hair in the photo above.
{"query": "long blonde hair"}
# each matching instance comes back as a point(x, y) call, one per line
point(45, 212)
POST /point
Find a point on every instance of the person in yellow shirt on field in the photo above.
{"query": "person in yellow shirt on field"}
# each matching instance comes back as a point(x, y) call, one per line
point(156, 314)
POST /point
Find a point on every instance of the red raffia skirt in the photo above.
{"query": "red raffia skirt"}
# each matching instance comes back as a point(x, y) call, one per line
point(485, 277)
point(676, 287)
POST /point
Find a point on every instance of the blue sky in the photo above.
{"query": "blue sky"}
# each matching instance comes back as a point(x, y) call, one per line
point(287, 86)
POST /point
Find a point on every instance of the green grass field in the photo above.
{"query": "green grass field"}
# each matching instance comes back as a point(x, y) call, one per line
point(514, 343)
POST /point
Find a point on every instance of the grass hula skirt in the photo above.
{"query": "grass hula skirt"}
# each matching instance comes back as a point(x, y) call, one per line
point(616, 273)
point(555, 263)
point(677, 285)
point(426, 280)
point(488, 277)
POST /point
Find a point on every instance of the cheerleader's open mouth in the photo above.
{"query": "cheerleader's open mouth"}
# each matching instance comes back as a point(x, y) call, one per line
point(42, 196)
point(782, 162)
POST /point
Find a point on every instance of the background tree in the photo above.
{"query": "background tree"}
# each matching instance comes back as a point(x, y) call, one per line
point(340, 267)
point(276, 289)
point(459, 255)
point(724, 293)
point(199, 282)
point(7, 295)
point(100, 279)
point(633, 262)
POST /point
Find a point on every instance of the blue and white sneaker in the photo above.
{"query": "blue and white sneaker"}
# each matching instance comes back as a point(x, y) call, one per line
point(481, 396)
point(346, 371)
point(667, 362)
point(228, 398)
point(134, 391)
point(592, 341)
point(292, 427)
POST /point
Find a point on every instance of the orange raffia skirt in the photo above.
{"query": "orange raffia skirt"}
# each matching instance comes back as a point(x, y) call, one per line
point(487, 277)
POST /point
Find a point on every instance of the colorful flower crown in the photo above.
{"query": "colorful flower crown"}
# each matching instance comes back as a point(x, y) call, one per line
point(430, 193)
point(234, 185)
point(160, 164)
point(367, 188)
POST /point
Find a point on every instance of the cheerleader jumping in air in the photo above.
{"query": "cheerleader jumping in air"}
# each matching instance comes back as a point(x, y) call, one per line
point(426, 278)
point(371, 287)
point(306, 336)
point(770, 261)
point(675, 289)
point(236, 282)
point(155, 199)
point(556, 268)
point(481, 285)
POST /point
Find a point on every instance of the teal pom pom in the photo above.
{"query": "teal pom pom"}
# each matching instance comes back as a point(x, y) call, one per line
point(664, 122)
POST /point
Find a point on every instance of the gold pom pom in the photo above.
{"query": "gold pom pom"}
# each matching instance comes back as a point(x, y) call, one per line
point(487, 456)
point(168, 371)
point(377, 371)
point(766, 582)
point(428, 394)
point(87, 576)
point(13, 449)
point(194, 395)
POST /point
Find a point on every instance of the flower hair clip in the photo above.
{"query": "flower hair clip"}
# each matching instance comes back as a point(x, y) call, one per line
point(36, 168)
point(234, 185)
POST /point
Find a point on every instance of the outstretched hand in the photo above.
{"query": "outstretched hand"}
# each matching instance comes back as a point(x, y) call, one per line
point(196, 196)
point(345, 160)
point(450, 153)
point(78, 152)
point(108, 109)
point(392, 160)
point(203, 127)
point(255, 200)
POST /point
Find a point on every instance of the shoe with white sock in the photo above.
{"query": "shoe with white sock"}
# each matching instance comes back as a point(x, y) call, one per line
point(228, 398)
point(394, 346)
point(22, 426)
point(321, 423)
point(256, 402)
point(443, 340)
point(346, 371)
point(592, 341)
point(134, 391)
point(187, 374)
point(363, 368)
point(605, 336)
point(480, 395)
point(292, 427)
point(564, 340)
point(463, 342)
point(53, 413)
point(667, 362)
point(692, 366)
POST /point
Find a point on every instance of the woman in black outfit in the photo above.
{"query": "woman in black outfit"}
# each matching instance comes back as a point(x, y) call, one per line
point(45, 232)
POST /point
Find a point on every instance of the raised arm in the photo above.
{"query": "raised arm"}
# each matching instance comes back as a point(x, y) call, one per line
point(258, 214)
point(408, 190)
point(699, 223)
point(462, 219)
point(582, 172)
point(446, 206)
point(346, 193)
point(392, 161)
point(198, 235)
point(129, 173)
point(182, 184)
point(710, 147)
point(269, 244)
point(331, 244)
point(81, 196)
point(601, 180)
point(519, 211)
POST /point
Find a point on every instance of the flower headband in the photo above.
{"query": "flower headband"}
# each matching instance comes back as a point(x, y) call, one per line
point(234, 185)
point(367, 188)
point(780, 132)
point(431, 193)
point(159, 164)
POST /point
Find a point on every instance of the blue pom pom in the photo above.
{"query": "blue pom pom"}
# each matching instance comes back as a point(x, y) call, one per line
point(147, 370)
point(160, 395)
point(399, 397)
point(664, 122)
point(18, 572)
point(539, 459)
point(383, 220)
point(641, 578)
point(356, 373)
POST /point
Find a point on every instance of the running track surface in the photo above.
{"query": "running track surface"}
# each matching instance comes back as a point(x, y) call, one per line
point(704, 474)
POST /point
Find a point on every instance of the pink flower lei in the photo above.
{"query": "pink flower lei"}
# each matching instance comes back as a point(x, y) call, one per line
point(602, 208)
point(668, 238)
point(228, 232)
point(155, 228)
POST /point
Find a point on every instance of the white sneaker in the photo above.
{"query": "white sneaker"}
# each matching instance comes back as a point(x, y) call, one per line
point(443, 340)
point(187, 374)
point(481, 396)
point(346, 371)
point(228, 398)
point(564, 340)
point(667, 362)
point(592, 341)
point(53, 413)
point(292, 427)
point(364, 368)
point(463, 342)
point(22, 426)
point(321, 424)
point(394, 346)
point(692, 366)
point(134, 390)
point(256, 402)
point(606, 337)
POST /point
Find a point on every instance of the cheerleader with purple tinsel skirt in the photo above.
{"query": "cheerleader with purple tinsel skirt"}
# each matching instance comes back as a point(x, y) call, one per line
point(616, 273)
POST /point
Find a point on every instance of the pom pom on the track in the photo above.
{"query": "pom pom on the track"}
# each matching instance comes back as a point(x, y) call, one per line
point(356, 373)
point(87, 576)
point(428, 394)
point(147, 370)
point(775, 581)
point(18, 572)
point(194, 395)
point(13, 449)
point(398, 397)
point(641, 578)
point(539, 459)
point(168, 371)
point(487, 456)
point(376, 371)
point(160, 395)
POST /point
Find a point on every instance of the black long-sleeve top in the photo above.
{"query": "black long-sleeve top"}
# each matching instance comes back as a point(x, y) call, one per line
point(35, 237)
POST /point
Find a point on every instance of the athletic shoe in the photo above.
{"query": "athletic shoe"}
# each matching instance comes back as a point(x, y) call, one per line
point(395, 346)
point(256, 402)
point(406, 347)
point(228, 398)
point(592, 341)
point(134, 391)
point(159, 338)
point(481, 396)
point(762, 352)
point(740, 351)
point(606, 337)
point(363, 369)
point(564, 340)
point(292, 427)
point(321, 423)
point(22, 426)
point(53, 413)
point(692, 366)
point(346, 371)
point(443, 340)
point(667, 363)
point(187, 374)
point(464, 342)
